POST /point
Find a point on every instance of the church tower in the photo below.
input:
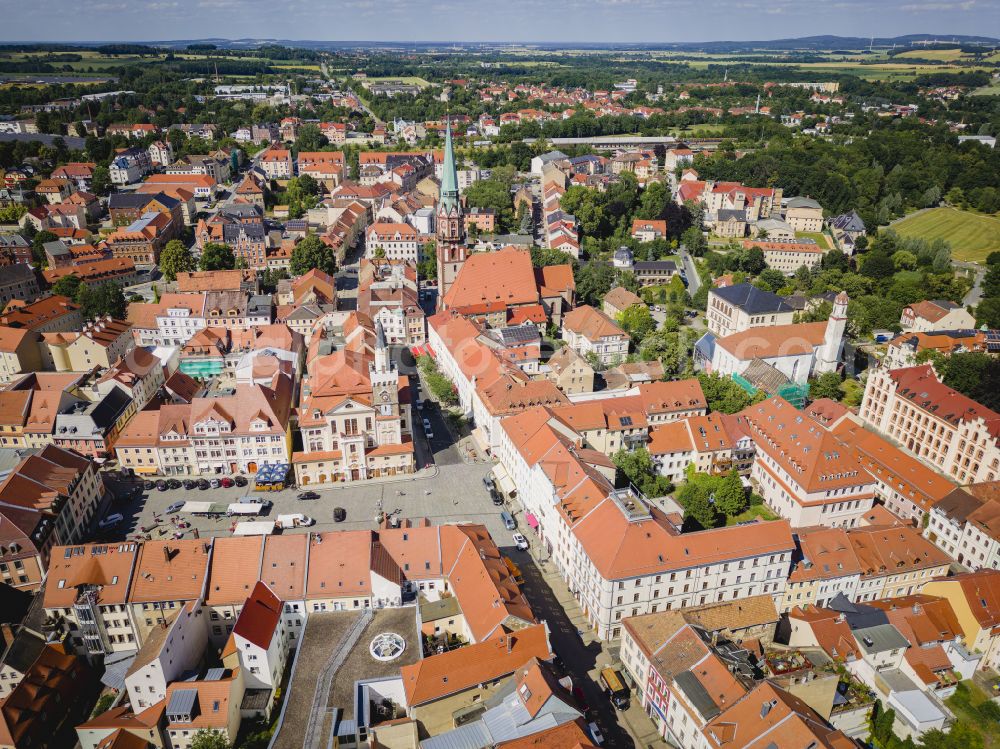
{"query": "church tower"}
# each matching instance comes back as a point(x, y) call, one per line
point(451, 249)
point(828, 356)
point(384, 377)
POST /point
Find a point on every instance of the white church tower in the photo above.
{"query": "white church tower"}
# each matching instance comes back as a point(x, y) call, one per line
point(828, 356)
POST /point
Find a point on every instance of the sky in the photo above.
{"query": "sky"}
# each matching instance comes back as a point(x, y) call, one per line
point(490, 20)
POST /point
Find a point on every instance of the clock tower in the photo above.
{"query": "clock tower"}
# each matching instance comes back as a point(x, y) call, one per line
point(451, 249)
point(384, 378)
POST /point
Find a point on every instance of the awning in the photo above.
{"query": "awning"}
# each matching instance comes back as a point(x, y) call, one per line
point(479, 437)
point(503, 480)
point(531, 520)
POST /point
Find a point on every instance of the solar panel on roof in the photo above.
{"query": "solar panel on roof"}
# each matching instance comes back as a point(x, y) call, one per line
point(182, 702)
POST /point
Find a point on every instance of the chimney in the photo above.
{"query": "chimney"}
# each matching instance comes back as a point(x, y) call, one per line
point(166, 553)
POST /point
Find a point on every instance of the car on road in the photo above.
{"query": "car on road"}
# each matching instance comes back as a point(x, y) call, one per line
point(581, 700)
point(520, 542)
point(307, 495)
point(427, 429)
point(339, 514)
point(174, 507)
point(595, 733)
point(111, 520)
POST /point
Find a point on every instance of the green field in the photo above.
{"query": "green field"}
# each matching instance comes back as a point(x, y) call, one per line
point(972, 236)
point(407, 79)
point(987, 91)
point(818, 237)
point(947, 55)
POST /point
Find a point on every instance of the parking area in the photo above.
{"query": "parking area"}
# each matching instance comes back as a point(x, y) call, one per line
point(449, 493)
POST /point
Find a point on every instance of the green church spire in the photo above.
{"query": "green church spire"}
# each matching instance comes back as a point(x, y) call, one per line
point(449, 180)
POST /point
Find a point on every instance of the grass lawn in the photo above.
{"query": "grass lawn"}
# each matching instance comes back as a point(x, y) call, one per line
point(973, 236)
point(752, 513)
point(817, 236)
point(965, 703)
point(987, 90)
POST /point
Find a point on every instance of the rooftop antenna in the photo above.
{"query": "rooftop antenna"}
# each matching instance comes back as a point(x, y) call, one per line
point(726, 76)
point(756, 109)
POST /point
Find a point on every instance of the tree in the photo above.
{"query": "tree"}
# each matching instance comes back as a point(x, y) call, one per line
point(104, 300)
point(637, 321)
point(723, 394)
point(731, 497)
point(988, 312)
point(827, 385)
point(176, 258)
point(836, 260)
point(638, 468)
point(310, 138)
point(699, 512)
point(217, 256)
point(877, 265)
point(311, 253)
point(694, 240)
point(67, 286)
point(209, 739)
point(771, 280)
point(593, 281)
point(38, 246)
point(753, 261)
point(100, 183)
point(493, 193)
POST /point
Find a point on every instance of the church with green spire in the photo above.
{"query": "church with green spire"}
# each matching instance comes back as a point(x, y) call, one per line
point(451, 247)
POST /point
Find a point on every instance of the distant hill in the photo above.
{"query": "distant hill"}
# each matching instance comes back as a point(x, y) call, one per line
point(806, 43)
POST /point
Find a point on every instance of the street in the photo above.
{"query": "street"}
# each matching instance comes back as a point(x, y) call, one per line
point(690, 272)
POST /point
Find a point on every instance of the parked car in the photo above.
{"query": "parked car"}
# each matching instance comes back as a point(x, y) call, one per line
point(215, 483)
point(203, 484)
point(508, 520)
point(520, 542)
point(161, 486)
point(188, 484)
point(173, 484)
point(595, 734)
point(111, 520)
point(174, 507)
point(488, 483)
point(497, 499)
point(240, 480)
point(307, 495)
point(148, 485)
point(339, 514)
point(227, 482)
point(427, 429)
point(581, 700)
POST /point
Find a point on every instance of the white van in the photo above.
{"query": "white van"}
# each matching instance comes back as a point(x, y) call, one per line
point(294, 520)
